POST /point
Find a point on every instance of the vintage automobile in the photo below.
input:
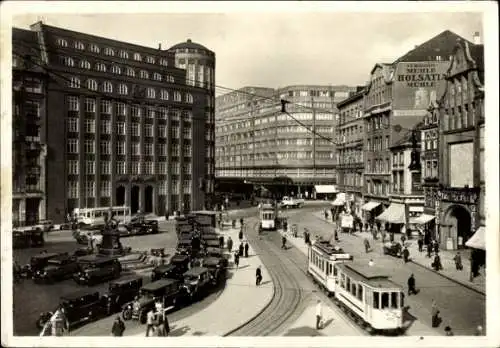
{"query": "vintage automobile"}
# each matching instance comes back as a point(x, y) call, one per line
point(57, 268)
point(45, 225)
point(120, 292)
point(211, 243)
point(217, 252)
point(27, 238)
point(210, 236)
point(167, 291)
point(38, 262)
point(179, 264)
point(95, 269)
point(196, 282)
point(184, 245)
point(393, 249)
point(78, 308)
point(216, 267)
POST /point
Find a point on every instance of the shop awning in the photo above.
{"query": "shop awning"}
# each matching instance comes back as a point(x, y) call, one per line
point(423, 219)
point(325, 189)
point(478, 240)
point(370, 205)
point(395, 214)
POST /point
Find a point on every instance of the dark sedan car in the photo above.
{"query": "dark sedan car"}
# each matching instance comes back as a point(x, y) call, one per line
point(393, 249)
point(58, 268)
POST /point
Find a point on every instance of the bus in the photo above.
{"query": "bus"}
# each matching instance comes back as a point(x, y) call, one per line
point(95, 216)
point(268, 217)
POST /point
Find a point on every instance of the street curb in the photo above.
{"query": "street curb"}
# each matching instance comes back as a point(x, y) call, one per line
point(450, 278)
point(253, 316)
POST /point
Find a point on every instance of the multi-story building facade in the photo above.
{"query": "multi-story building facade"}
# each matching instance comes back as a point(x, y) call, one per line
point(29, 83)
point(350, 151)
point(259, 143)
point(123, 126)
point(396, 100)
point(461, 149)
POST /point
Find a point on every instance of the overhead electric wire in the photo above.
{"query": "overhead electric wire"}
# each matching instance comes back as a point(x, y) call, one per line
point(230, 90)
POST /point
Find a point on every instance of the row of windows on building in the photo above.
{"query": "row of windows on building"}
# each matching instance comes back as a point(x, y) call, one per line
point(378, 166)
point(116, 69)
point(352, 113)
point(30, 84)
point(355, 131)
point(123, 89)
point(124, 168)
point(73, 126)
point(378, 144)
point(377, 187)
point(289, 155)
point(105, 188)
point(429, 140)
point(271, 143)
point(315, 93)
point(430, 169)
point(350, 156)
point(462, 116)
point(305, 173)
point(377, 122)
point(398, 182)
point(351, 179)
point(111, 52)
point(122, 148)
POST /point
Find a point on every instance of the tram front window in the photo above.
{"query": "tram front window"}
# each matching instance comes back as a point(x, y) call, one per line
point(385, 300)
point(394, 299)
point(375, 300)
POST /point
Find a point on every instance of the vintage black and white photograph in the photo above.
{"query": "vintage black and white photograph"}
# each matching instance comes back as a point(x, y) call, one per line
point(274, 170)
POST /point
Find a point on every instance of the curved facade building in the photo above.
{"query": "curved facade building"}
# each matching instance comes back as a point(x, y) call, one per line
point(199, 63)
point(259, 143)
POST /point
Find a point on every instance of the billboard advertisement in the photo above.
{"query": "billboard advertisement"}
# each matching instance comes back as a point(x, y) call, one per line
point(416, 84)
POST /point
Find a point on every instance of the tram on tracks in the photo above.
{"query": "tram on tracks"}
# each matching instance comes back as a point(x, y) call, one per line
point(268, 217)
point(363, 291)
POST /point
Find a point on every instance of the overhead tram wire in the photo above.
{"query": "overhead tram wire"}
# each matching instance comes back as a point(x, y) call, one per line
point(398, 128)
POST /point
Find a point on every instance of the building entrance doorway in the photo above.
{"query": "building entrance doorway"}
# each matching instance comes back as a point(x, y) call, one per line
point(134, 199)
point(32, 216)
point(148, 199)
point(120, 196)
point(458, 222)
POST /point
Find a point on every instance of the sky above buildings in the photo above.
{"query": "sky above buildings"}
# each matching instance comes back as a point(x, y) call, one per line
point(280, 48)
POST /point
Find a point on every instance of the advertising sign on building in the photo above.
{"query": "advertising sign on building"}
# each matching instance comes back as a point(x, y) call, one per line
point(347, 221)
point(416, 85)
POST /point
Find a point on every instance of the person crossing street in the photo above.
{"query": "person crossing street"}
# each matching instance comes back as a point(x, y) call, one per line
point(411, 285)
point(258, 276)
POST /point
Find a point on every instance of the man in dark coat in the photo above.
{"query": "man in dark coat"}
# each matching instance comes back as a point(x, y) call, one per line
point(246, 249)
point(241, 250)
point(229, 244)
point(118, 327)
point(240, 235)
point(236, 259)
point(406, 255)
point(420, 242)
point(258, 276)
point(221, 242)
point(411, 285)
point(429, 250)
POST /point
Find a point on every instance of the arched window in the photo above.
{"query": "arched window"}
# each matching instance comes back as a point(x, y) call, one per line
point(177, 96)
point(62, 42)
point(107, 87)
point(123, 54)
point(94, 48)
point(79, 45)
point(164, 62)
point(68, 61)
point(123, 89)
point(157, 76)
point(116, 70)
point(84, 64)
point(144, 74)
point(137, 56)
point(74, 82)
point(189, 98)
point(92, 85)
point(100, 67)
point(164, 94)
point(150, 60)
point(130, 72)
point(109, 51)
point(151, 93)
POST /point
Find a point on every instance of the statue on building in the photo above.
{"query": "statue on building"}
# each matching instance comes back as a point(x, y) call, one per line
point(415, 154)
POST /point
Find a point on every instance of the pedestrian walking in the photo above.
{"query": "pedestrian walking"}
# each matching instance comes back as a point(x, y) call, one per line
point(435, 315)
point(229, 244)
point(406, 255)
point(246, 249)
point(237, 259)
point(241, 222)
point(241, 249)
point(429, 250)
point(391, 237)
point(371, 263)
point(411, 285)
point(436, 246)
point(367, 245)
point(326, 214)
point(448, 331)
point(403, 239)
point(118, 327)
point(319, 315)
point(240, 235)
point(283, 242)
point(437, 263)
point(458, 261)
point(150, 322)
point(221, 242)
point(420, 242)
point(258, 276)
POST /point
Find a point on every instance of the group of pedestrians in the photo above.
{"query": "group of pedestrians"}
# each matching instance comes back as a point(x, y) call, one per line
point(157, 321)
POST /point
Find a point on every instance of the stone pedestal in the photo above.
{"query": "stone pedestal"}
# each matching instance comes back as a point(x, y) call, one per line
point(111, 244)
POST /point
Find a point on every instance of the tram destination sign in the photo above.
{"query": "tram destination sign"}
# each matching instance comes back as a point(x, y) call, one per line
point(416, 84)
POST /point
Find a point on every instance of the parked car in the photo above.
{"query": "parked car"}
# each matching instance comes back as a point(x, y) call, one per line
point(196, 282)
point(174, 270)
point(27, 238)
point(184, 245)
point(217, 252)
point(45, 225)
point(57, 268)
point(40, 261)
point(216, 267)
point(289, 202)
point(95, 269)
point(78, 308)
point(120, 292)
point(212, 243)
point(210, 236)
point(168, 291)
point(393, 249)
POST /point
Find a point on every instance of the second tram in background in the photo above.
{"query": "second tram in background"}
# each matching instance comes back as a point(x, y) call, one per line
point(268, 217)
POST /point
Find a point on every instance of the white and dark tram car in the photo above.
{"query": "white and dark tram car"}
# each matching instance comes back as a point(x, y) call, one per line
point(268, 217)
point(321, 260)
point(367, 293)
